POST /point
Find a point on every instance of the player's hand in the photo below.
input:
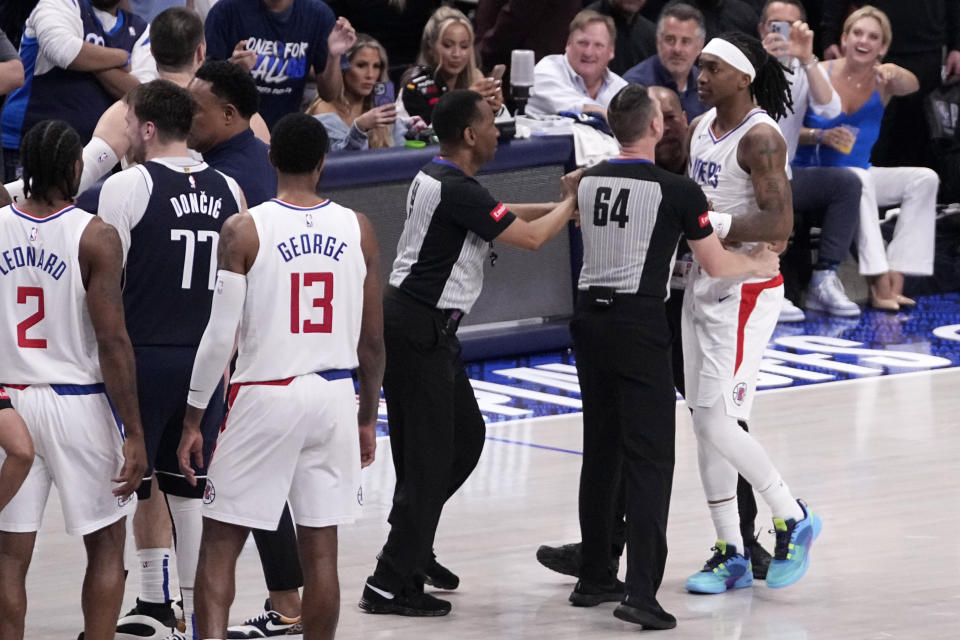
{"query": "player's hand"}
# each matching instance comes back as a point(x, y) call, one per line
point(134, 465)
point(191, 445)
point(767, 262)
point(832, 52)
point(368, 443)
point(341, 37)
point(570, 183)
point(382, 115)
point(243, 57)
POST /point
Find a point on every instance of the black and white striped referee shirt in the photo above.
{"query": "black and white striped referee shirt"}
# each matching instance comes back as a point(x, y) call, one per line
point(632, 214)
point(450, 220)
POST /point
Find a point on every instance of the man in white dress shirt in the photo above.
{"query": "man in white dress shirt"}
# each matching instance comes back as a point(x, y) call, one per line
point(578, 80)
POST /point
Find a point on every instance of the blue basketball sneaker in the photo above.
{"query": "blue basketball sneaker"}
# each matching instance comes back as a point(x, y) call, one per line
point(727, 569)
point(791, 557)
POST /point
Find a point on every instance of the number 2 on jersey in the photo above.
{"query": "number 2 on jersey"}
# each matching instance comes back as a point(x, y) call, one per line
point(23, 295)
point(324, 302)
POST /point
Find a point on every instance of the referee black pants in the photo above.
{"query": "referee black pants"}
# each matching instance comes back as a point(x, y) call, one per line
point(623, 358)
point(436, 432)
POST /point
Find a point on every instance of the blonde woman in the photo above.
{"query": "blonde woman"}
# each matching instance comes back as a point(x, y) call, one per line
point(865, 87)
point(352, 121)
point(446, 61)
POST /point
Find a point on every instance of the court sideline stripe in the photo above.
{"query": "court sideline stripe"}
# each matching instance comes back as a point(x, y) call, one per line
point(535, 446)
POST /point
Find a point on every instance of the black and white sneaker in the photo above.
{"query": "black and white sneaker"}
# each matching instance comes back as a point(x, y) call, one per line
point(267, 624)
point(377, 599)
point(147, 621)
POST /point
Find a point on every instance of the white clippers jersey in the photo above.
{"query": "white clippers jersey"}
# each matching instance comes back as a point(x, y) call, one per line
point(714, 166)
point(46, 336)
point(304, 293)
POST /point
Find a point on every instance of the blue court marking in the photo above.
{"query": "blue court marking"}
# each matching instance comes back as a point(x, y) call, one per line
point(535, 446)
point(820, 350)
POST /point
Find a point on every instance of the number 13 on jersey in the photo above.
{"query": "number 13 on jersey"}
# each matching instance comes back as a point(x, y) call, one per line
point(319, 285)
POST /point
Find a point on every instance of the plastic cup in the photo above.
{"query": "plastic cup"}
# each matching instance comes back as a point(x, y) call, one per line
point(853, 131)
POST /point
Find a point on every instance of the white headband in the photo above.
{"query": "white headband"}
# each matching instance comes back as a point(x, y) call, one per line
point(730, 54)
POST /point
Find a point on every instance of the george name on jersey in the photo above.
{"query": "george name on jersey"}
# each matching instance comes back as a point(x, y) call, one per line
point(196, 203)
point(705, 172)
point(311, 243)
point(18, 257)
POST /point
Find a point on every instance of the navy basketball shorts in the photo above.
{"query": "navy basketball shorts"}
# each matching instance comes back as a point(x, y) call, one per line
point(163, 381)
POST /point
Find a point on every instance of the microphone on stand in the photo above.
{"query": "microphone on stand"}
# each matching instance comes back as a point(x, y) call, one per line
point(521, 77)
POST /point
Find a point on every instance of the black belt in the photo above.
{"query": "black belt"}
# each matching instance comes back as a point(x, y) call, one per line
point(607, 297)
point(451, 317)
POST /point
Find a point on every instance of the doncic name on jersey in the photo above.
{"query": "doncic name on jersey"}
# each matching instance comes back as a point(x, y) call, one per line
point(193, 202)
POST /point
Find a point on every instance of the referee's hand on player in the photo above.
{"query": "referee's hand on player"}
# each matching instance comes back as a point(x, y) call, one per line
point(191, 444)
point(134, 464)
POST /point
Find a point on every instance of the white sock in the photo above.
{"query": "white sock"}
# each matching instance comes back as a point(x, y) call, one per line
point(154, 575)
point(188, 616)
point(782, 504)
point(726, 520)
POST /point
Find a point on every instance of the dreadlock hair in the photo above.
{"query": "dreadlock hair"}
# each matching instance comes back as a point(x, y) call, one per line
point(770, 88)
point(49, 152)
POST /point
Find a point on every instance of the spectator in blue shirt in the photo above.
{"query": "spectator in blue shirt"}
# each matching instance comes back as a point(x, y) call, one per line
point(278, 41)
point(680, 37)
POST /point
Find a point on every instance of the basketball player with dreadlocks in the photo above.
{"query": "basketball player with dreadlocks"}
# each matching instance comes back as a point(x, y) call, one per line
point(739, 158)
point(68, 366)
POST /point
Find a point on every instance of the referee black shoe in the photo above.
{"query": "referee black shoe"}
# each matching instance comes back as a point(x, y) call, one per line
point(649, 616)
point(377, 599)
point(590, 594)
point(567, 558)
point(438, 576)
point(759, 557)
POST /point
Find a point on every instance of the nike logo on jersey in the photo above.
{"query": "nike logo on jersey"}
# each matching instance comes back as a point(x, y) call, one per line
point(385, 594)
point(725, 297)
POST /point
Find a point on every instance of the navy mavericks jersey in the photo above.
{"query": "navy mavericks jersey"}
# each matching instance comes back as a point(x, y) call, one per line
point(73, 96)
point(172, 259)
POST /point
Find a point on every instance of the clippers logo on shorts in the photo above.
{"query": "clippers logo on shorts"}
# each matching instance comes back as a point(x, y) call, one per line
point(360, 496)
point(499, 212)
point(704, 220)
point(122, 502)
point(739, 393)
point(209, 493)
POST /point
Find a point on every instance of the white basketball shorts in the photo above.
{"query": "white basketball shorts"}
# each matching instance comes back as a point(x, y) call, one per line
point(78, 442)
point(726, 327)
point(295, 440)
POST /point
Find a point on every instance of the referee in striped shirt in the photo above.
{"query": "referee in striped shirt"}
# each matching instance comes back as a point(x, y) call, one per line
point(436, 430)
point(632, 215)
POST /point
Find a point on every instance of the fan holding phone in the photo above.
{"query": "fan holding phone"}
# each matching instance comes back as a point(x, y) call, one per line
point(365, 114)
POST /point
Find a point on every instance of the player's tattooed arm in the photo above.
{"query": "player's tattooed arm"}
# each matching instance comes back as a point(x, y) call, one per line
point(101, 263)
point(763, 154)
point(239, 244)
point(370, 349)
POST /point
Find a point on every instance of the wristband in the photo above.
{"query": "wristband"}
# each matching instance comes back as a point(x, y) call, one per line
point(721, 223)
point(819, 136)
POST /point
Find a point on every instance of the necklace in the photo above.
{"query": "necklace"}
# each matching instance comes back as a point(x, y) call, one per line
point(851, 81)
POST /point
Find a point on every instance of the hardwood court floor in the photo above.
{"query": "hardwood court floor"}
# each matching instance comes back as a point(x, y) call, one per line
point(876, 458)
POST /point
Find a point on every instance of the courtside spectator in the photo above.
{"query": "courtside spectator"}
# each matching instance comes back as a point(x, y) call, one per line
point(636, 36)
point(580, 78)
point(680, 37)
point(82, 58)
point(278, 42)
